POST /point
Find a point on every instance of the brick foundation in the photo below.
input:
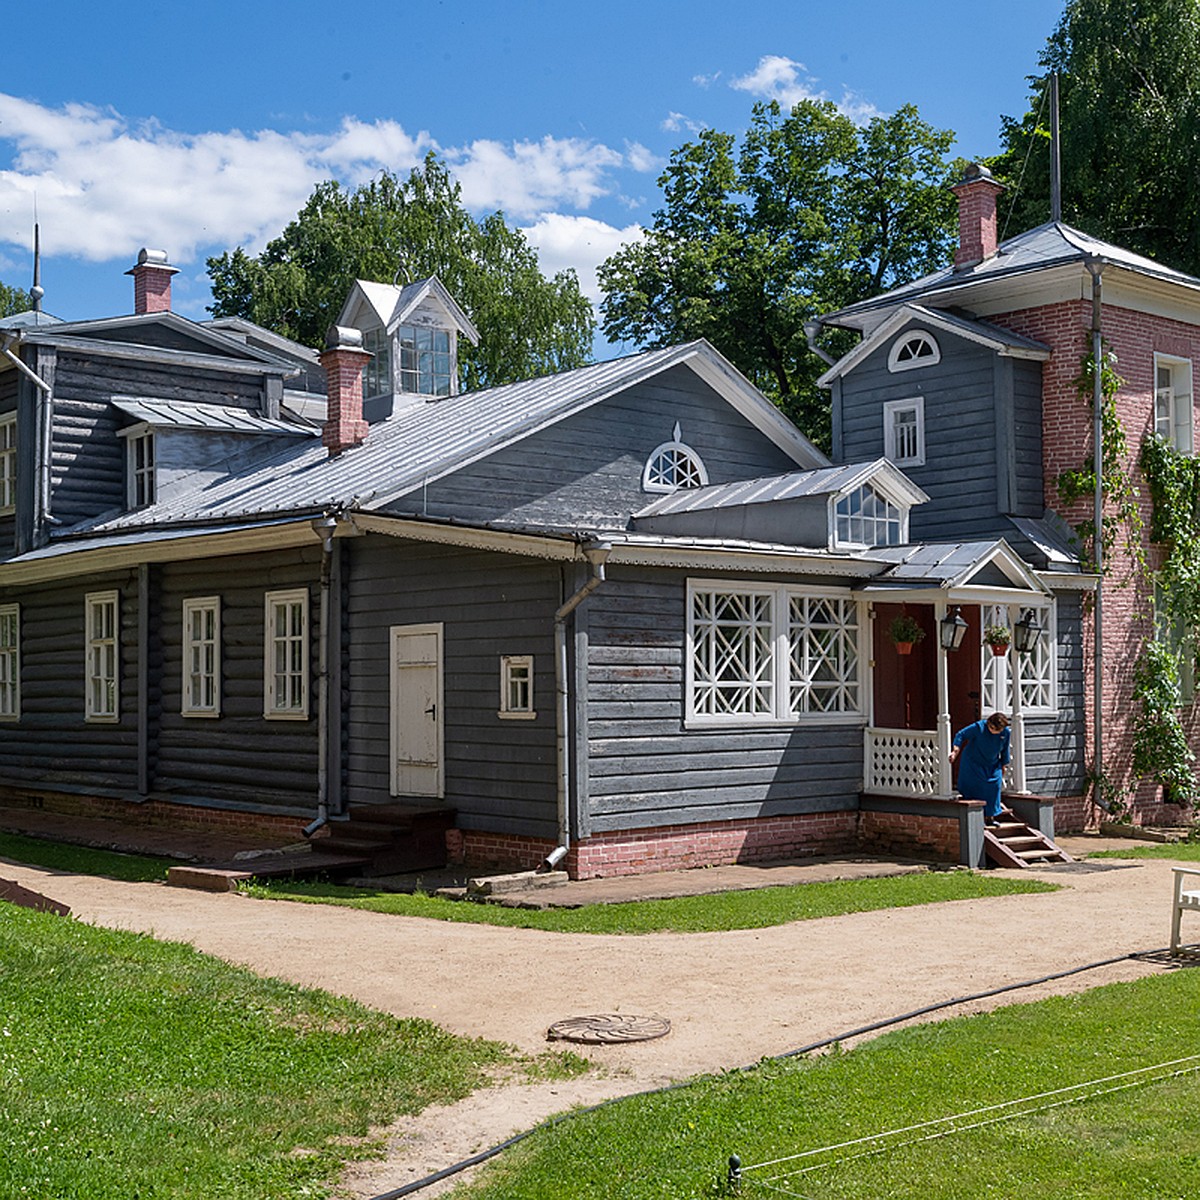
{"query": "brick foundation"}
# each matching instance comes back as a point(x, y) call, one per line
point(937, 838)
point(161, 813)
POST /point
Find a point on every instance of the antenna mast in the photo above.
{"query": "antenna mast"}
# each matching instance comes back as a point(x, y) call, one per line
point(1055, 154)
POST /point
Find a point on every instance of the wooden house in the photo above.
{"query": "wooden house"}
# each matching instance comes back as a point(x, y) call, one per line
point(624, 618)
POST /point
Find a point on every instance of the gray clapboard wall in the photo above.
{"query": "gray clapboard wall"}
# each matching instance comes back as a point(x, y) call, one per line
point(587, 469)
point(647, 768)
point(500, 774)
point(982, 435)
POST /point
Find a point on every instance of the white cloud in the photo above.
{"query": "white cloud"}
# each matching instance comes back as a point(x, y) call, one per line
point(581, 242)
point(105, 186)
point(641, 159)
point(779, 78)
point(673, 122)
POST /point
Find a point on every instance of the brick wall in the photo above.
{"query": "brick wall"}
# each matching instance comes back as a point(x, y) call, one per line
point(908, 834)
point(1133, 337)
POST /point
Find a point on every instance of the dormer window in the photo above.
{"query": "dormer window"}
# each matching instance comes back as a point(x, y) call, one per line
point(865, 517)
point(8, 463)
point(377, 374)
point(426, 360)
point(913, 349)
point(139, 470)
point(672, 466)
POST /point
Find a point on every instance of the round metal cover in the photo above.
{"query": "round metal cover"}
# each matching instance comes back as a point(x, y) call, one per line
point(606, 1028)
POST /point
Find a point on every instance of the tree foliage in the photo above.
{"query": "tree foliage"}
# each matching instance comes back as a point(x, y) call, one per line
point(13, 300)
point(1129, 85)
point(807, 214)
point(406, 229)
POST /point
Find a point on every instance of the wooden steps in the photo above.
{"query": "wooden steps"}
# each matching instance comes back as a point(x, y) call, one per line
point(1012, 843)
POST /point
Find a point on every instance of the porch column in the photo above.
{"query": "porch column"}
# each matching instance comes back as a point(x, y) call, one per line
point(945, 780)
point(1018, 716)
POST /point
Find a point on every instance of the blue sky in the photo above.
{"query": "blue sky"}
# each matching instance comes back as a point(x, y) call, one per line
point(200, 125)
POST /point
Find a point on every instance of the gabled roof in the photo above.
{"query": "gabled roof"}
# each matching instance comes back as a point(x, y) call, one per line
point(1003, 342)
point(1051, 245)
point(822, 483)
point(950, 566)
point(394, 305)
point(424, 442)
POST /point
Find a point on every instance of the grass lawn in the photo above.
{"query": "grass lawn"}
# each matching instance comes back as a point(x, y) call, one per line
point(685, 914)
point(1178, 851)
point(136, 1068)
point(1141, 1142)
point(80, 860)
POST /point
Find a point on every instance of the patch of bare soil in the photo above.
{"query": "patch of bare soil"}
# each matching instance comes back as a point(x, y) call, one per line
point(732, 998)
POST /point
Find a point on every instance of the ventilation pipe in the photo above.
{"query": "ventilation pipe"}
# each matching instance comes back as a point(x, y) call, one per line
point(152, 282)
point(596, 554)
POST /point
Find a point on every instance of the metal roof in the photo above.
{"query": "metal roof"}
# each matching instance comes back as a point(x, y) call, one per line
point(179, 414)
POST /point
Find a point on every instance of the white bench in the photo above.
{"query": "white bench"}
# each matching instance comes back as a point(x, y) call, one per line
point(1187, 898)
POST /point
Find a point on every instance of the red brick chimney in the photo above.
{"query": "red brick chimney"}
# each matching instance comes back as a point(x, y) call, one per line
point(152, 282)
point(976, 194)
point(343, 360)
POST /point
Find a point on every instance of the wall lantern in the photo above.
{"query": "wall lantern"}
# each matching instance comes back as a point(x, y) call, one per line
point(952, 629)
point(1027, 631)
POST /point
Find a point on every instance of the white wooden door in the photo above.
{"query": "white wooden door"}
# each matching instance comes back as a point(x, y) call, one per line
point(416, 710)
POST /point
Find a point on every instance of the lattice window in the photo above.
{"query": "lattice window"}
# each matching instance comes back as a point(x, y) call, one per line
point(733, 668)
point(823, 653)
point(672, 466)
point(916, 348)
point(1039, 691)
point(865, 517)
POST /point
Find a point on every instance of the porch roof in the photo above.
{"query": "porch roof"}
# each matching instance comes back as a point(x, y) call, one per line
point(962, 572)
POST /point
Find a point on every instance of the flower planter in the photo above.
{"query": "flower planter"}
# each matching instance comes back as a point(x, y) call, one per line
point(999, 650)
point(904, 647)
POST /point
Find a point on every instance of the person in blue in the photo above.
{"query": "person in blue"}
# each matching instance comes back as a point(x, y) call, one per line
point(982, 752)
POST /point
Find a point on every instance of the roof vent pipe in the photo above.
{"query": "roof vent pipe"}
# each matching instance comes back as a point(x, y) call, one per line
point(977, 237)
point(152, 282)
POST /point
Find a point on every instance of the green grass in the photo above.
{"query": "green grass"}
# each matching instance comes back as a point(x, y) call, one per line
point(1141, 1143)
point(80, 860)
point(753, 909)
point(136, 1068)
point(1178, 851)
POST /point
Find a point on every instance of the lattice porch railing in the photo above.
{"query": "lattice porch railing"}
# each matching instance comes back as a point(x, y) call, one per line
point(902, 762)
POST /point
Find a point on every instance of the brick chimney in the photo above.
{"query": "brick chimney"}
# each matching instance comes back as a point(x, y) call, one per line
point(976, 194)
point(152, 282)
point(343, 360)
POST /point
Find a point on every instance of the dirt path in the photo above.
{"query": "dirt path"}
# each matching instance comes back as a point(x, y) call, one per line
point(732, 998)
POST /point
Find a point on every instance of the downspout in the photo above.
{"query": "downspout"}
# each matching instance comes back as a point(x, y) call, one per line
point(324, 528)
point(1095, 269)
point(811, 329)
point(32, 375)
point(596, 554)
point(44, 431)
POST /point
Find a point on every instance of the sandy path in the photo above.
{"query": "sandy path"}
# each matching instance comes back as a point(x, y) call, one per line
point(731, 997)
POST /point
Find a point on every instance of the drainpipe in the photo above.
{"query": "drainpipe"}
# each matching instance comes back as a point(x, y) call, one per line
point(32, 375)
point(596, 554)
point(1095, 269)
point(324, 527)
point(811, 329)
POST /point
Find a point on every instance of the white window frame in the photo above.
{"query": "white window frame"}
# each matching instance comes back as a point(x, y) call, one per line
point(378, 377)
point(10, 662)
point(8, 463)
point(892, 410)
point(907, 338)
point(1039, 667)
point(777, 694)
point(294, 645)
point(200, 661)
point(516, 675)
point(1173, 416)
point(836, 519)
point(141, 477)
point(673, 465)
point(102, 658)
point(411, 359)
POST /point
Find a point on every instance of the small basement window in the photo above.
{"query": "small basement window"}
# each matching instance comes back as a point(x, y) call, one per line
point(913, 349)
point(516, 687)
point(672, 466)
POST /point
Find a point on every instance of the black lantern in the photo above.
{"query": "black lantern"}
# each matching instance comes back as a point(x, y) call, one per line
point(952, 629)
point(1027, 631)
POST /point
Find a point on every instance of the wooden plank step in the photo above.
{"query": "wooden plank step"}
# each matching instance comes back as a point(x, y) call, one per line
point(1050, 854)
point(339, 843)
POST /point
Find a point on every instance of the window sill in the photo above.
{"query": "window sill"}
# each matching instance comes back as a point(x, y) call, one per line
point(517, 716)
point(285, 716)
point(201, 714)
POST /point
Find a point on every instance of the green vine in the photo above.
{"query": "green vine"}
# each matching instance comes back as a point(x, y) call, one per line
point(1119, 493)
point(1174, 482)
point(1160, 746)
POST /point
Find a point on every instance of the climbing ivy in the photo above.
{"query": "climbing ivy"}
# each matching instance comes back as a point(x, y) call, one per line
point(1160, 746)
point(1174, 482)
point(1120, 494)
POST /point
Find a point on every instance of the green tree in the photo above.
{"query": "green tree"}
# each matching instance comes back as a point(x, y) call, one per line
point(1129, 86)
point(409, 229)
point(13, 300)
point(810, 213)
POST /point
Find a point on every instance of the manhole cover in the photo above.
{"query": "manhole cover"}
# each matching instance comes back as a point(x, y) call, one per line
point(609, 1027)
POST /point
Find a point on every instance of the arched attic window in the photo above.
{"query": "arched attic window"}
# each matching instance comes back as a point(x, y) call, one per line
point(672, 466)
point(914, 348)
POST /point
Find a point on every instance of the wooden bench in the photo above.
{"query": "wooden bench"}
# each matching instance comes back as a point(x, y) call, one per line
point(1187, 898)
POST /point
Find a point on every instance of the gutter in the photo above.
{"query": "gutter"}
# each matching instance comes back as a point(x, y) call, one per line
point(596, 554)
